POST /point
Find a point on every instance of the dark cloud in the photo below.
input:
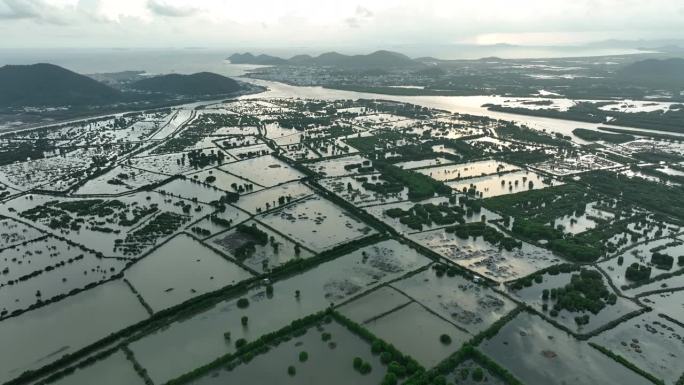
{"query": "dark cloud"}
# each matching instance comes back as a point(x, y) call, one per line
point(164, 9)
point(39, 10)
point(20, 9)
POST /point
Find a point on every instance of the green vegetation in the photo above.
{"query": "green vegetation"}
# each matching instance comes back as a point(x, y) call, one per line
point(585, 292)
point(488, 233)
point(662, 261)
point(420, 186)
point(592, 135)
point(638, 191)
point(526, 134)
point(427, 214)
point(637, 272)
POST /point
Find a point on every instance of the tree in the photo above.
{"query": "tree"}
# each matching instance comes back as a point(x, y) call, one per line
point(303, 356)
point(243, 303)
point(478, 375)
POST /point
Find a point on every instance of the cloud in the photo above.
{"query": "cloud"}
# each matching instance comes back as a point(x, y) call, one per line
point(352, 22)
point(361, 15)
point(38, 10)
point(363, 12)
point(162, 8)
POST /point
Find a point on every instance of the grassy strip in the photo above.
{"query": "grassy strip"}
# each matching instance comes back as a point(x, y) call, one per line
point(87, 362)
point(142, 372)
point(629, 365)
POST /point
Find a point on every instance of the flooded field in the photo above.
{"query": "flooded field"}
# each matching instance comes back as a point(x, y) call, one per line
point(485, 258)
point(316, 223)
point(190, 342)
point(501, 184)
point(649, 342)
point(46, 268)
point(181, 269)
point(467, 170)
point(416, 331)
point(534, 296)
point(327, 361)
point(116, 369)
point(643, 254)
point(45, 334)
point(471, 306)
point(537, 353)
point(171, 204)
point(259, 255)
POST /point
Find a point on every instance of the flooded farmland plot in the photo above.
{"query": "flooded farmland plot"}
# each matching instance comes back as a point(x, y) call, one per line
point(487, 259)
point(117, 227)
point(180, 269)
point(374, 304)
point(554, 297)
point(467, 170)
point(46, 268)
point(354, 190)
point(222, 180)
point(268, 199)
point(115, 369)
point(348, 165)
point(650, 342)
point(670, 303)
point(537, 353)
point(197, 340)
point(43, 335)
point(326, 360)
point(13, 232)
point(316, 223)
point(259, 247)
point(265, 171)
point(120, 180)
point(501, 184)
point(471, 306)
point(418, 332)
point(309, 235)
point(666, 252)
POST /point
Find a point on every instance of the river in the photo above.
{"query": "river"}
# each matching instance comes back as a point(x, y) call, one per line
point(460, 104)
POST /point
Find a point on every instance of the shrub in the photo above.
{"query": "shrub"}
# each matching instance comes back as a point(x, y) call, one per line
point(243, 303)
point(478, 374)
point(445, 339)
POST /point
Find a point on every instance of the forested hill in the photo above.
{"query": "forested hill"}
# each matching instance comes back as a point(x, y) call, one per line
point(203, 83)
point(50, 85)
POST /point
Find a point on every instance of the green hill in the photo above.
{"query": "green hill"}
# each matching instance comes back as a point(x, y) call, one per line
point(50, 85)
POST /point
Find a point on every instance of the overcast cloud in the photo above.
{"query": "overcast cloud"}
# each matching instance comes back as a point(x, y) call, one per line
point(276, 23)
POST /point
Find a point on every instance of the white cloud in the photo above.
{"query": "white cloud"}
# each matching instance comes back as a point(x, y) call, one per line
point(276, 23)
point(163, 8)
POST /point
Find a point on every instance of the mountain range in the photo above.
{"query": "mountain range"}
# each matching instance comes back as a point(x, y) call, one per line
point(48, 85)
point(378, 59)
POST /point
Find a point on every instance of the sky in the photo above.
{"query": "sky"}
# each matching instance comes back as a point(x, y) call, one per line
point(331, 23)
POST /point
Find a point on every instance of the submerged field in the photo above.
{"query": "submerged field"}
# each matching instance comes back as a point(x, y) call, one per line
point(305, 241)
